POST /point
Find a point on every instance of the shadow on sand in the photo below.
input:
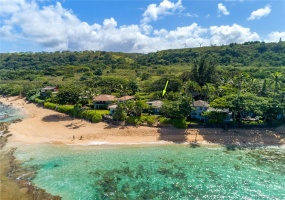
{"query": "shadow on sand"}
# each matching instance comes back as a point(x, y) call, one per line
point(241, 136)
point(56, 118)
point(77, 125)
point(173, 134)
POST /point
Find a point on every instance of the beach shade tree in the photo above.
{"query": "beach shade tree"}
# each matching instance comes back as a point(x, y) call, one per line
point(243, 104)
point(120, 114)
point(69, 94)
point(180, 108)
point(272, 110)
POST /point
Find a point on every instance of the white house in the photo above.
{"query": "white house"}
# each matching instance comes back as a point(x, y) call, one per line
point(113, 107)
point(199, 107)
point(155, 105)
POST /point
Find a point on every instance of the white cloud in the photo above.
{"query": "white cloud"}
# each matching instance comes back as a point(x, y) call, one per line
point(222, 9)
point(191, 15)
point(231, 34)
point(56, 28)
point(5, 32)
point(262, 12)
point(109, 23)
point(192, 31)
point(153, 11)
point(275, 37)
point(10, 6)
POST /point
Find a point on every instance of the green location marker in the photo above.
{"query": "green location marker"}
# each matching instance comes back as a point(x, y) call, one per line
point(164, 91)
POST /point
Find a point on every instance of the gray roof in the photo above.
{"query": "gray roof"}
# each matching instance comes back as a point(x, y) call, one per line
point(155, 104)
point(200, 103)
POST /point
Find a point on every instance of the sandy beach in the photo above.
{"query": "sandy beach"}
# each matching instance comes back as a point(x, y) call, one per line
point(48, 126)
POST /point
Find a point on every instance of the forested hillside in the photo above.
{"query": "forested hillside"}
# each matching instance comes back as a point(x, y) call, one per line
point(247, 54)
point(246, 78)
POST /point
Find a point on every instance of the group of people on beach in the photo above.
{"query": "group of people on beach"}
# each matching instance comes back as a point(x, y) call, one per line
point(73, 137)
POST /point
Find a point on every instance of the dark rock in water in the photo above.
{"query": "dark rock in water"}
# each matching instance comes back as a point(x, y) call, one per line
point(4, 126)
point(16, 120)
point(55, 165)
point(3, 140)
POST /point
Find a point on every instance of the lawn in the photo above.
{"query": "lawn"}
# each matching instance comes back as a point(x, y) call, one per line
point(103, 112)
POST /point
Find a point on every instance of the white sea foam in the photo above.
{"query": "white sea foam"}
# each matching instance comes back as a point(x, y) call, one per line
point(94, 143)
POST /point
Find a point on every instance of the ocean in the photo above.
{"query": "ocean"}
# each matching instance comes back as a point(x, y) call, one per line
point(151, 171)
point(156, 171)
point(9, 113)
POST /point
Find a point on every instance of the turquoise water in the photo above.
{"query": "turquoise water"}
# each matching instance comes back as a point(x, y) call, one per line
point(9, 113)
point(156, 172)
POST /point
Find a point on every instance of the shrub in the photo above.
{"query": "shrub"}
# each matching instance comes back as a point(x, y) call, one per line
point(96, 118)
point(135, 120)
point(91, 115)
point(179, 123)
point(150, 119)
point(39, 101)
point(253, 122)
point(49, 105)
point(67, 109)
point(164, 120)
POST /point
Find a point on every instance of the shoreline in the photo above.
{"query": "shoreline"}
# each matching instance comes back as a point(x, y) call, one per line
point(48, 126)
point(37, 127)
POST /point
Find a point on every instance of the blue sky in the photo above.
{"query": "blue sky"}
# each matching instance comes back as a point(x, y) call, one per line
point(136, 26)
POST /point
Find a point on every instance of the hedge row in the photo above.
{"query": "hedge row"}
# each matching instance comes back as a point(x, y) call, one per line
point(137, 120)
point(90, 115)
point(179, 123)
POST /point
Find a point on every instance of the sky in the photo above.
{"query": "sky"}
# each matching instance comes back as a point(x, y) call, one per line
point(136, 26)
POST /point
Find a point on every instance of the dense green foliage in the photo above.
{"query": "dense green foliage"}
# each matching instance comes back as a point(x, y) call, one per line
point(215, 117)
point(177, 109)
point(75, 111)
point(138, 120)
point(248, 79)
point(179, 123)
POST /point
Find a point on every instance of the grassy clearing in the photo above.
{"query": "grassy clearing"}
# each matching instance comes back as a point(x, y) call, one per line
point(103, 112)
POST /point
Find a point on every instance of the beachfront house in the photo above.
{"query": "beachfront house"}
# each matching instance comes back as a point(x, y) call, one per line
point(198, 107)
point(53, 89)
point(112, 108)
point(155, 106)
point(48, 90)
point(103, 101)
point(125, 98)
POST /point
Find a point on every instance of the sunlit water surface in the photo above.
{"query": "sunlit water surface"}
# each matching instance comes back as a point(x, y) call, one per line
point(9, 113)
point(156, 171)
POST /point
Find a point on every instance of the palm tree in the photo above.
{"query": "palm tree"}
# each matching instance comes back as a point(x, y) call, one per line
point(276, 80)
point(263, 91)
point(253, 85)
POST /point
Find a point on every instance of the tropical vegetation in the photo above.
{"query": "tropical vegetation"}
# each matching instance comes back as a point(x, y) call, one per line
point(248, 79)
